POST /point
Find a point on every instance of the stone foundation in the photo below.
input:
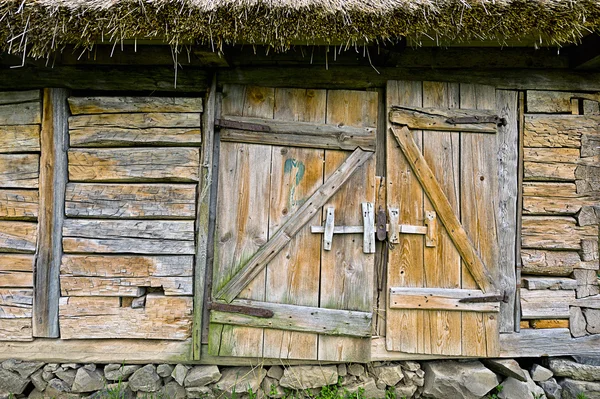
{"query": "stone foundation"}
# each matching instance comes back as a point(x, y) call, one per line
point(552, 378)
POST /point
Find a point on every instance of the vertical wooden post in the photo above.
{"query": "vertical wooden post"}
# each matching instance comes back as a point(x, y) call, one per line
point(519, 221)
point(202, 220)
point(53, 178)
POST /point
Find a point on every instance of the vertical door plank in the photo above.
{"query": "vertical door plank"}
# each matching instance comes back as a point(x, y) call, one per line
point(443, 262)
point(405, 263)
point(347, 272)
point(293, 275)
point(52, 183)
point(242, 215)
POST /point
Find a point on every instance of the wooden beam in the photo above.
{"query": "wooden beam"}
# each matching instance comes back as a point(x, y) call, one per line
point(53, 179)
point(285, 234)
point(547, 342)
point(115, 105)
point(452, 120)
point(444, 210)
point(440, 299)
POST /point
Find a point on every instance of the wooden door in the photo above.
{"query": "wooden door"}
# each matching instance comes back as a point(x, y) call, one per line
point(446, 195)
point(285, 156)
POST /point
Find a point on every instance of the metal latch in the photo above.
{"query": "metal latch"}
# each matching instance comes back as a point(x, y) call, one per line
point(496, 297)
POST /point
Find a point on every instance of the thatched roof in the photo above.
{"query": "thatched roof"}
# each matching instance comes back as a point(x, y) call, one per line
point(43, 26)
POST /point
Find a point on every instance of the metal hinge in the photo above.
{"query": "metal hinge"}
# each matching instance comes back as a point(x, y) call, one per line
point(496, 297)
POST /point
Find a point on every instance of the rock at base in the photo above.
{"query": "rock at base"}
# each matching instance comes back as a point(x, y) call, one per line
point(173, 390)
point(87, 381)
point(452, 379)
point(11, 382)
point(572, 388)
point(388, 375)
point(571, 369)
point(552, 389)
point(200, 376)
point(119, 372)
point(303, 377)
point(505, 367)
point(539, 373)
point(513, 388)
point(241, 380)
point(145, 379)
point(368, 388)
point(24, 369)
point(179, 373)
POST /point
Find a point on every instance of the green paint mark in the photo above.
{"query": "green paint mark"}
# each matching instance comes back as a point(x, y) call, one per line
point(294, 166)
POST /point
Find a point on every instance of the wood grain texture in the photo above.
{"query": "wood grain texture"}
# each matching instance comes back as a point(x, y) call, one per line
point(134, 165)
point(19, 170)
point(136, 120)
point(20, 138)
point(549, 283)
point(107, 136)
point(554, 232)
point(26, 113)
point(163, 317)
point(18, 204)
point(16, 330)
point(18, 236)
point(554, 102)
point(17, 97)
point(123, 287)
point(546, 304)
point(128, 236)
point(16, 303)
point(550, 263)
point(558, 130)
point(130, 201)
point(549, 323)
point(440, 299)
point(114, 104)
point(433, 117)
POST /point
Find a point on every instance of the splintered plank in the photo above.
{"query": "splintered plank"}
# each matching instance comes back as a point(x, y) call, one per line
point(136, 120)
point(296, 173)
point(242, 218)
point(541, 198)
point(101, 136)
point(19, 170)
point(558, 130)
point(17, 97)
point(550, 263)
point(117, 286)
point(20, 138)
point(134, 164)
point(438, 118)
point(342, 287)
point(18, 236)
point(15, 303)
point(162, 317)
point(16, 270)
point(113, 104)
point(128, 236)
point(405, 265)
point(18, 204)
point(555, 232)
point(549, 283)
point(16, 330)
point(130, 201)
point(550, 164)
point(27, 113)
point(546, 304)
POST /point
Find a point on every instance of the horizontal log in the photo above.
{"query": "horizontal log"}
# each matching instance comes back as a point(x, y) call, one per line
point(16, 263)
point(546, 304)
point(592, 302)
point(137, 121)
point(126, 266)
point(114, 104)
point(19, 170)
point(128, 236)
point(28, 113)
point(551, 155)
point(20, 138)
point(549, 323)
point(544, 189)
point(16, 330)
point(554, 232)
point(550, 171)
point(15, 303)
point(121, 137)
point(17, 97)
point(300, 318)
point(554, 102)
point(441, 119)
point(555, 205)
point(558, 130)
point(550, 342)
point(18, 236)
point(163, 317)
point(16, 279)
point(549, 283)
point(134, 164)
point(549, 263)
point(18, 204)
point(123, 286)
point(439, 299)
point(130, 201)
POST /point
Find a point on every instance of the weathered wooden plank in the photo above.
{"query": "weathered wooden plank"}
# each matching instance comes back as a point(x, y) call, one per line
point(124, 286)
point(554, 102)
point(163, 317)
point(558, 130)
point(126, 266)
point(550, 342)
point(134, 164)
point(543, 189)
point(20, 138)
point(439, 299)
point(123, 137)
point(300, 318)
point(19, 170)
point(18, 204)
point(15, 303)
point(538, 171)
point(296, 173)
point(16, 97)
point(136, 120)
point(53, 178)
point(16, 330)
point(554, 232)
point(111, 105)
point(441, 118)
point(130, 201)
point(592, 302)
point(555, 205)
point(549, 323)
point(297, 133)
point(27, 113)
point(444, 210)
point(551, 155)
point(16, 270)
point(18, 236)
point(128, 236)
point(549, 283)
point(546, 304)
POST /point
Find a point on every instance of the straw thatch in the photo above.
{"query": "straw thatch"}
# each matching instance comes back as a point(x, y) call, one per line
point(42, 26)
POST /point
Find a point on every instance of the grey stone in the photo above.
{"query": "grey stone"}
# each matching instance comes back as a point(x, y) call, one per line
point(388, 375)
point(36, 394)
point(405, 390)
point(513, 388)
point(199, 393)
point(551, 388)
point(57, 385)
point(38, 381)
point(505, 367)
point(67, 375)
point(145, 379)
point(342, 370)
point(275, 372)
point(572, 388)
point(12, 383)
point(348, 379)
point(369, 388)
point(200, 376)
point(90, 367)
point(47, 375)
point(51, 367)
point(242, 379)
point(410, 365)
point(88, 381)
point(452, 379)
point(118, 390)
point(568, 368)
point(119, 372)
point(70, 365)
point(164, 370)
point(420, 373)
point(173, 390)
point(25, 369)
point(179, 373)
point(539, 373)
point(168, 379)
point(302, 377)
point(271, 388)
point(356, 369)
point(590, 360)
